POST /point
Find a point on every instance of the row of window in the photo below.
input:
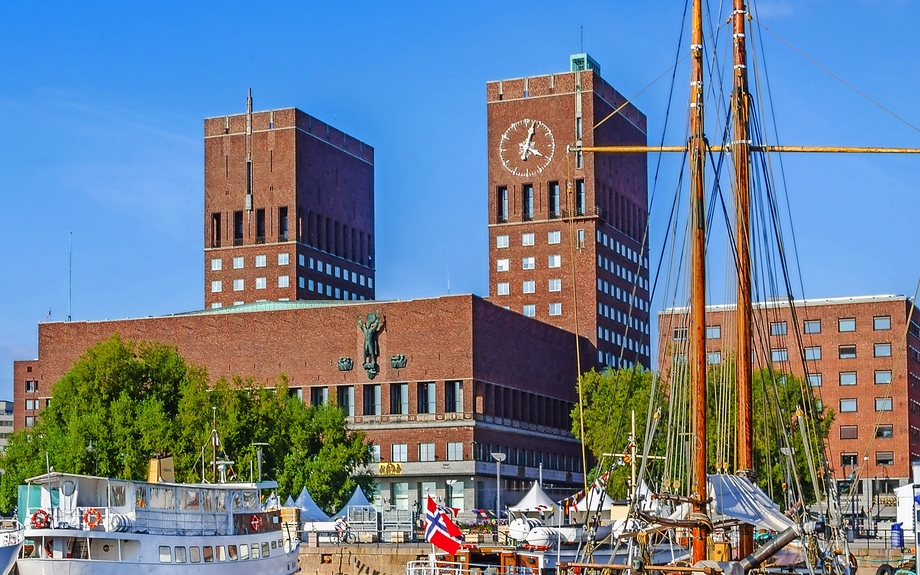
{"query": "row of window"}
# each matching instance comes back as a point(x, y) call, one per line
point(530, 310)
point(615, 314)
point(502, 200)
point(336, 271)
point(881, 458)
point(812, 326)
point(553, 237)
point(613, 360)
point(623, 295)
point(209, 554)
point(848, 405)
point(617, 339)
point(882, 377)
point(847, 351)
point(239, 262)
point(399, 452)
point(238, 227)
point(426, 398)
point(528, 263)
point(621, 272)
point(217, 286)
point(328, 290)
point(625, 251)
point(399, 494)
point(884, 431)
point(527, 457)
point(528, 286)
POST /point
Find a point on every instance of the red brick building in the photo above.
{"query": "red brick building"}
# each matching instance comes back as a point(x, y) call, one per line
point(289, 210)
point(566, 227)
point(861, 356)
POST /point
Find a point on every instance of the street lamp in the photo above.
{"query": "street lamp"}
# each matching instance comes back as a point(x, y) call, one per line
point(499, 458)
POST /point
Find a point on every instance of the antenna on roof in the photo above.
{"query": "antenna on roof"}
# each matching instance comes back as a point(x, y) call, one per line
point(69, 279)
point(581, 34)
point(448, 280)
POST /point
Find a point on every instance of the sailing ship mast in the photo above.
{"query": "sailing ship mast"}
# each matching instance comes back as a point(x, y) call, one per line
point(741, 153)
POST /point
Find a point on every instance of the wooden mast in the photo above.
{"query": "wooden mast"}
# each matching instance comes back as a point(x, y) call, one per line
point(697, 320)
point(741, 154)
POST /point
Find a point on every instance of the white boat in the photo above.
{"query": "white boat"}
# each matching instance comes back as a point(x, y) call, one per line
point(78, 524)
point(10, 543)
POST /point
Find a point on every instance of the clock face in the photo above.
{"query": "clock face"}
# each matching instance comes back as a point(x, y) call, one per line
point(527, 147)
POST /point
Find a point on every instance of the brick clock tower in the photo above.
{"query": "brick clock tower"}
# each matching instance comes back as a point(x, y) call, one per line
point(289, 210)
point(565, 228)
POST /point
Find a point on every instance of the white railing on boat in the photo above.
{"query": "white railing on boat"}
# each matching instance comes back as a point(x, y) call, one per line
point(435, 567)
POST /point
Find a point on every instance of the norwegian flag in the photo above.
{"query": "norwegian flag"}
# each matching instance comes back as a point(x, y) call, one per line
point(440, 531)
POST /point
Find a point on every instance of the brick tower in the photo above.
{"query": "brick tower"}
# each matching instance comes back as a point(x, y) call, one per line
point(289, 210)
point(559, 221)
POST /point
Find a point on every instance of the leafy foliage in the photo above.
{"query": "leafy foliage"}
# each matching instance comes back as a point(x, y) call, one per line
point(132, 400)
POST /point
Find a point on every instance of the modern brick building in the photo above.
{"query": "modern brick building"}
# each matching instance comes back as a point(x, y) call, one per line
point(565, 227)
point(861, 356)
point(452, 386)
point(289, 210)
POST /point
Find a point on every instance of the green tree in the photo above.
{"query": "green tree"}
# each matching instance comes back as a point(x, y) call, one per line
point(131, 400)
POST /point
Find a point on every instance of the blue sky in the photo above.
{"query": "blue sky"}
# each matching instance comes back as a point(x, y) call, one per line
point(104, 103)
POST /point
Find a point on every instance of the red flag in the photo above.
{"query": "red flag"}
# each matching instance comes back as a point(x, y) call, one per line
point(440, 530)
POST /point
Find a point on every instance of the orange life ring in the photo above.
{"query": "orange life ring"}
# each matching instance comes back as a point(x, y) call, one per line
point(92, 517)
point(40, 519)
point(256, 522)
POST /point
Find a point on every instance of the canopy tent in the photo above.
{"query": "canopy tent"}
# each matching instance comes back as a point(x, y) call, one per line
point(289, 502)
point(535, 500)
point(358, 499)
point(738, 498)
point(309, 510)
point(596, 499)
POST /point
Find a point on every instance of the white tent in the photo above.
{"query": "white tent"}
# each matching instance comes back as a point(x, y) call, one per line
point(309, 510)
point(358, 499)
point(535, 500)
point(595, 499)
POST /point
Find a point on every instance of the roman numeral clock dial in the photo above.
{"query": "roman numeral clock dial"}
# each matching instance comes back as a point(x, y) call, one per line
point(527, 147)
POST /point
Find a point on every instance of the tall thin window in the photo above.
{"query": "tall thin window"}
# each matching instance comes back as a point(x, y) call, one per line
point(426, 397)
point(260, 226)
point(237, 228)
point(580, 200)
point(527, 194)
point(345, 395)
point(215, 230)
point(453, 397)
point(502, 200)
point(283, 224)
point(372, 400)
point(399, 398)
point(554, 209)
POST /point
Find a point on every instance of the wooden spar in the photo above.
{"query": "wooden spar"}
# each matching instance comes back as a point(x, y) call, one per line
point(697, 320)
point(741, 154)
point(753, 148)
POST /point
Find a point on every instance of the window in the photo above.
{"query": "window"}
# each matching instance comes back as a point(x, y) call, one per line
point(814, 379)
point(319, 396)
point(453, 396)
point(30, 420)
point(260, 261)
point(883, 377)
point(554, 206)
point(455, 451)
point(255, 550)
point(501, 265)
point(372, 400)
point(847, 406)
point(779, 355)
point(882, 404)
point(244, 551)
point(260, 283)
point(529, 263)
point(300, 282)
point(849, 432)
point(555, 309)
point(714, 358)
point(714, 332)
point(399, 398)
point(526, 240)
point(527, 196)
point(846, 324)
point(847, 352)
point(554, 238)
point(425, 452)
point(680, 334)
point(217, 286)
point(165, 554)
point(426, 397)
point(238, 262)
point(401, 496)
point(282, 224)
point(883, 350)
point(238, 285)
point(580, 239)
point(284, 281)
point(375, 453)
point(217, 264)
point(399, 451)
point(207, 553)
point(283, 259)
point(502, 288)
point(555, 261)
point(848, 459)
point(502, 203)
point(881, 322)
point(31, 386)
point(455, 494)
point(812, 326)
point(180, 555)
point(778, 328)
point(848, 378)
point(580, 202)
point(555, 285)
point(300, 262)
point(884, 431)
point(530, 310)
point(813, 353)
point(501, 241)
point(884, 457)
point(238, 228)
point(530, 286)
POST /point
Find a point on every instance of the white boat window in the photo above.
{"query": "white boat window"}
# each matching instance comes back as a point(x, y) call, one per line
point(67, 488)
point(194, 554)
point(236, 498)
point(165, 554)
point(265, 551)
point(255, 550)
point(188, 499)
point(140, 496)
point(207, 500)
point(274, 544)
point(251, 499)
point(208, 553)
point(220, 499)
point(162, 497)
point(244, 551)
point(221, 554)
point(180, 554)
point(116, 495)
point(231, 552)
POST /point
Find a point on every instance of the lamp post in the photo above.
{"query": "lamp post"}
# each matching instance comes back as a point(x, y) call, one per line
point(499, 458)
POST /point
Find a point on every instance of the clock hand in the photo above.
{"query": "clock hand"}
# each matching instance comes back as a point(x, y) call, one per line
point(527, 145)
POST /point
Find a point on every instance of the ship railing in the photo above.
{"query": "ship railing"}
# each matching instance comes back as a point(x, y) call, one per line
point(435, 567)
